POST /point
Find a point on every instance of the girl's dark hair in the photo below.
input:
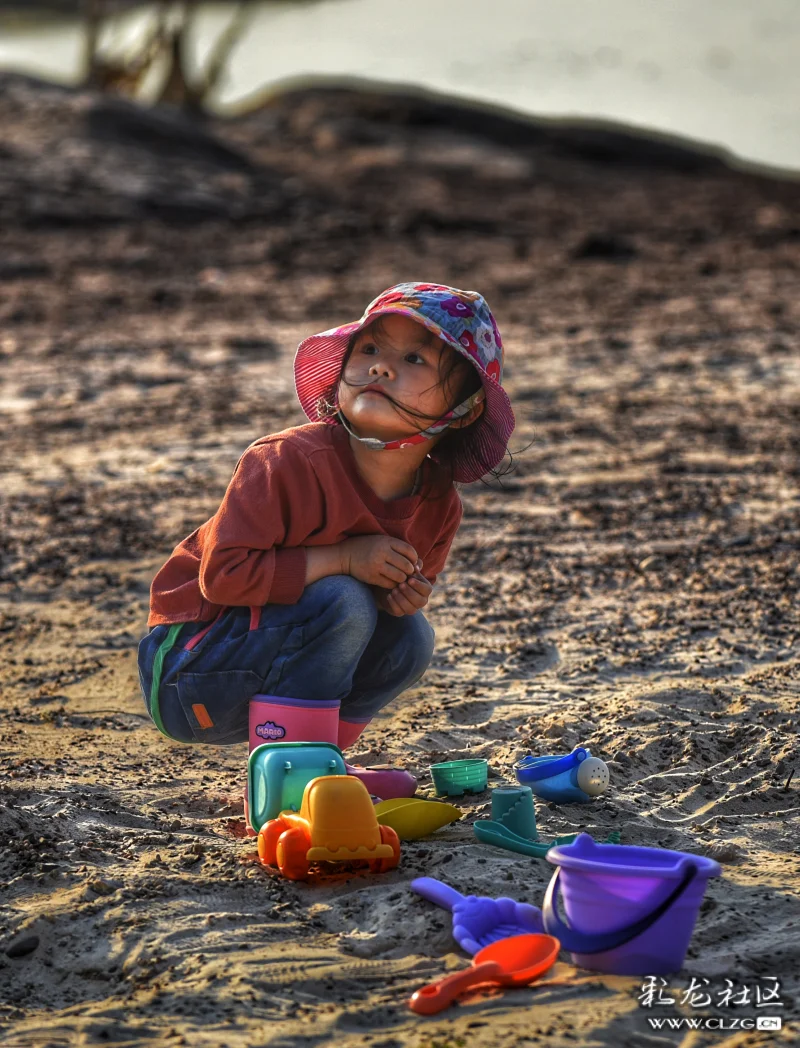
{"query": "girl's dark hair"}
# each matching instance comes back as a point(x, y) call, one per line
point(454, 440)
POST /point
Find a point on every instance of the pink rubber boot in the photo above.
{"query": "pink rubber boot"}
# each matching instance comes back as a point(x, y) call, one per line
point(385, 783)
point(274, 718)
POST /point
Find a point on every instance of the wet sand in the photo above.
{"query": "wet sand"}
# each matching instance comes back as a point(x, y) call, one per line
point(632, 585)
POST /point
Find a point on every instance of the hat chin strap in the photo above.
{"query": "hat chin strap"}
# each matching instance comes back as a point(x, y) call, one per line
point(426, 434)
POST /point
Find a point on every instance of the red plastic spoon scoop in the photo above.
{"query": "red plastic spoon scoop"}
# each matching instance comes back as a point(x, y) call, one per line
point(510, 962)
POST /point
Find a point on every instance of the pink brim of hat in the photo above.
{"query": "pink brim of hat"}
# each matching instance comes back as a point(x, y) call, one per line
point(318, 364)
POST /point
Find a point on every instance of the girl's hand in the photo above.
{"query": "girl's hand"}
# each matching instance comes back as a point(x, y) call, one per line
point(378, 560)
point(408, 597)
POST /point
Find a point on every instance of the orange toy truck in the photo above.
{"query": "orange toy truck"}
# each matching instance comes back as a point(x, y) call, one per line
point(336, 823)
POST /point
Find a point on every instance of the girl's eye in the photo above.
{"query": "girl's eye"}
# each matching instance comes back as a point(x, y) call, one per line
point(369, 346)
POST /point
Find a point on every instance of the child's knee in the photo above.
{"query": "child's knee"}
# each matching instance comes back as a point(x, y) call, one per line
point(350, 600)
point(425, 641)
point(416, 648)
point(428, 633)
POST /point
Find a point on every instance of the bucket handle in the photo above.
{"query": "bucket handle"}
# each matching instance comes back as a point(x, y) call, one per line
point(599, 942)
point(529, 771)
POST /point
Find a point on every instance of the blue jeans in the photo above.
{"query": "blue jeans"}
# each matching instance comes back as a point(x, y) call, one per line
point(333, 643)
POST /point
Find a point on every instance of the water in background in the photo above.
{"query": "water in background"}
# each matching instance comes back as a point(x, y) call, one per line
point(725, 72)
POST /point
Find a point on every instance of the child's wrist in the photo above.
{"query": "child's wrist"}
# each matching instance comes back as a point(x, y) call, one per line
point(343, 549)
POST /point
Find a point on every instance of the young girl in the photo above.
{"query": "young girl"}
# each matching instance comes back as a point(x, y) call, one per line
point(304, 591)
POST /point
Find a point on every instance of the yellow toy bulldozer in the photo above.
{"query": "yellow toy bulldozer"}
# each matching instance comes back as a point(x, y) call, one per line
point(336, 823)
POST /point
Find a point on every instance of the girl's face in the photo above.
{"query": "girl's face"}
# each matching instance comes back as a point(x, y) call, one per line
point(404, 359)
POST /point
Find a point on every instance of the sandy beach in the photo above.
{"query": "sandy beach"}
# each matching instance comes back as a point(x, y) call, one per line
point(632, 585)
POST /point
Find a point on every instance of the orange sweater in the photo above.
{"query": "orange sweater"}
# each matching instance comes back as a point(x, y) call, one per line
point(297, 488)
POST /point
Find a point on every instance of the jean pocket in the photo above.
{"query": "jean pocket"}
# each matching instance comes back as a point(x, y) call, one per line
point(217, 704)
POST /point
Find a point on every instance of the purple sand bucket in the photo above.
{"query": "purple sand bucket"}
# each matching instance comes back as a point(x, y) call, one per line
point(631, 911)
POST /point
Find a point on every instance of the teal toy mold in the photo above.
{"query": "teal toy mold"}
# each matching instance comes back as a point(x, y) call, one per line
point(278, 773)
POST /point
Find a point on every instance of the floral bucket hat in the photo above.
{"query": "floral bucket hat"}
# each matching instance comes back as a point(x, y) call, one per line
point(464, 321)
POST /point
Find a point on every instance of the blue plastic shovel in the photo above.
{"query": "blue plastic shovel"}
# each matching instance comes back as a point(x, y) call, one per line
point(477, 919)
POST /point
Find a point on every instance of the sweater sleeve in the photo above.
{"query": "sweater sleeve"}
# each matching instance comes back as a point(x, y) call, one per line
point(273, 485)
point(435, 561)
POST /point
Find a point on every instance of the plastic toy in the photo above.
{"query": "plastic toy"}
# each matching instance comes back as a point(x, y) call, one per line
point(573, 779)
point(385, 782)
point(276, 718)
point(498, 835)
point(455, 778)
point(631, 911)
point(278, 773)
point(516, 961)
point(513, 824)
point(336, 823)
point(412, 818)
point(513, 807)
point(477, 919)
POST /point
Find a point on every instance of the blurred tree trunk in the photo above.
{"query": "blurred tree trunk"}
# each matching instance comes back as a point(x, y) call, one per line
point(193, 94)
point(93, 13)
point(167, 41)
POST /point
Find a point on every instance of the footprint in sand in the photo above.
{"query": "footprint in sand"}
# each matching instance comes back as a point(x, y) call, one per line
point(474, 713)
point(531, 658)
